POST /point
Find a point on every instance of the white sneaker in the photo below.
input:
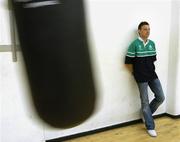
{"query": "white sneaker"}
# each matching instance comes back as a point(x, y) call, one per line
point(152, 133)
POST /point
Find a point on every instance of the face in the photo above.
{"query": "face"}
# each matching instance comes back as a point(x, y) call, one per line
point(144, 31)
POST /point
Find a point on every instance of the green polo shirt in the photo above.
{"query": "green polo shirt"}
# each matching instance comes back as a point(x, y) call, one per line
point(142, 56)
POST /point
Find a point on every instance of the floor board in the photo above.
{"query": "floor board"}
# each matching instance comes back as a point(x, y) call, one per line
point(168, 130)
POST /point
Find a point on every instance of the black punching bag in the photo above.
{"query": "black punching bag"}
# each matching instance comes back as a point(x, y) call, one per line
point(53, 41)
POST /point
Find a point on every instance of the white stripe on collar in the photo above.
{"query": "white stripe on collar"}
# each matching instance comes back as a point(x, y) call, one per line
point(143, 41)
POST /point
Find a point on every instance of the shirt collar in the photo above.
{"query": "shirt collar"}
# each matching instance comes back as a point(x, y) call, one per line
point(143, 41)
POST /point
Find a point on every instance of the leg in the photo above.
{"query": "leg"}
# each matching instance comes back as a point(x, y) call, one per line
point(149, 122)
point(156, 88)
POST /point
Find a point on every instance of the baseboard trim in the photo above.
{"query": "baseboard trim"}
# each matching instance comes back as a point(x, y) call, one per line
point(173, 116)
point(61, 139)
point(93, 131)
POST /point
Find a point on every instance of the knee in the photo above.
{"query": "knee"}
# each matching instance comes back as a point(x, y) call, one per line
point(161, 99)
point(145, 107)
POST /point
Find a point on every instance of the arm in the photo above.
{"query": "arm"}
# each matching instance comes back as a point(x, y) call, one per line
point(129, 59)
point(129, 67)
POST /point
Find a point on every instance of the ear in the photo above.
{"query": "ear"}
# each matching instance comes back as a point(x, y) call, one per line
point(138, 31)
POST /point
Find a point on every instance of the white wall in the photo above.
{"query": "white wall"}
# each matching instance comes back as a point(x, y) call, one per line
point(111, 27)
point(173, 98)
point(19, 122)
point(177, 96)
point(178, 83)
point(4, 23)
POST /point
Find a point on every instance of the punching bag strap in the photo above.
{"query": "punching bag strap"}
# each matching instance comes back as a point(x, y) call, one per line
point(12, 32)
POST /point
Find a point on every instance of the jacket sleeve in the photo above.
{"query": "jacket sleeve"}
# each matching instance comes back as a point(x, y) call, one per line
point(154, 57)
point(129, 59)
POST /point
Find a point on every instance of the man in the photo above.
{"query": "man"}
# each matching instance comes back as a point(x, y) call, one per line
point(140, 61)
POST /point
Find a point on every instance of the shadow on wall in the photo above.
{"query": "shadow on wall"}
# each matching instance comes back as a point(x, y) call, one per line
point(55, 50)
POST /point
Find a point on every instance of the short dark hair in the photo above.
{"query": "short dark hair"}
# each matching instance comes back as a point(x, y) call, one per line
point(142, 24)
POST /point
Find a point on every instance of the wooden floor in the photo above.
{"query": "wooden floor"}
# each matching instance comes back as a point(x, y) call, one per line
point(168, 130)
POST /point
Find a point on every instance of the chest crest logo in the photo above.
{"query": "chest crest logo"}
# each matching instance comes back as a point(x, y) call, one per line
point(150, 47)
point(139, 47)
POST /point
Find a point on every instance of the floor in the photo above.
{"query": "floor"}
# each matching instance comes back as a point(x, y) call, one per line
point(168, 130)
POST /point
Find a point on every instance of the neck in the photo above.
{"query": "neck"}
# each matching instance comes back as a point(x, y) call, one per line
point(144, 39)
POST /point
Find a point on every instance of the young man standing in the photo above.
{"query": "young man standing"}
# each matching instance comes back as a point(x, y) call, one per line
point(140, 61)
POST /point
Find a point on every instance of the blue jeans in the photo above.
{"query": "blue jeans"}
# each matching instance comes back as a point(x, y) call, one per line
point(149, 109)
